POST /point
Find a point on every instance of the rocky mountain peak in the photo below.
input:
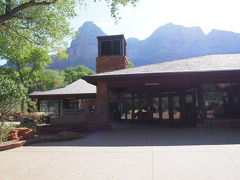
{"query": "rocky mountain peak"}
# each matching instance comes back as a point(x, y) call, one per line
point(168, 42)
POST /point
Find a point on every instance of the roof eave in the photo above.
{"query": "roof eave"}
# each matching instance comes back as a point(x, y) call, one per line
point(94, 79)
point(59, 95)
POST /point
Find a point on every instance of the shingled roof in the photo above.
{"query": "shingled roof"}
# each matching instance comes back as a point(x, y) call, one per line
point(78, 87)
point(226, 62)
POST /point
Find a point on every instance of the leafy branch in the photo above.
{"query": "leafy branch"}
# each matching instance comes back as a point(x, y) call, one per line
point(10, 13)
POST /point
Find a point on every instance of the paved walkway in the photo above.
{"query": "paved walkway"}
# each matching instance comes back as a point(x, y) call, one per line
point(130, 152)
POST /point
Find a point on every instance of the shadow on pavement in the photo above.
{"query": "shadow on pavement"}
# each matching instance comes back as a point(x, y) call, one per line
point(142, 135)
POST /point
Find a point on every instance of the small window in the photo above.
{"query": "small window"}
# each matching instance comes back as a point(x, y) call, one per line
point(116, 47)
point(110, 47)
point(71, 104)
point(106, 48)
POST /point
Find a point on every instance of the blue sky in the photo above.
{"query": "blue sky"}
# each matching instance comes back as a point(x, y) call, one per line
point(148, 15)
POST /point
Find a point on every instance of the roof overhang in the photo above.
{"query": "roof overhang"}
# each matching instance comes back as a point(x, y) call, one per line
point(171, 77)
point(63, 96)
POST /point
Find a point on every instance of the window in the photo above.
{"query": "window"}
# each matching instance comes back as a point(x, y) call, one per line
point(71, 104)
point(110, 47)
point(50, 106)
point(222, 101)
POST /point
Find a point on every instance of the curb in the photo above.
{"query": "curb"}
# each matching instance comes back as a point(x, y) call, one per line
point(12, 145)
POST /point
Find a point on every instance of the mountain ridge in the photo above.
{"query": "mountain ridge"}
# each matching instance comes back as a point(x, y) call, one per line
point(166, 43)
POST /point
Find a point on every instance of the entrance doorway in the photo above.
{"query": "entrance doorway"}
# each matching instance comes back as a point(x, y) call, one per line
point(163, 108)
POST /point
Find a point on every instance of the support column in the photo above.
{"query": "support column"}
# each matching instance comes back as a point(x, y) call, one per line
point(160, 107)
point(170, 108)
point(182, 100)
point(103, 116)
point(38, 105)
point(201, 106)
point(150, 105)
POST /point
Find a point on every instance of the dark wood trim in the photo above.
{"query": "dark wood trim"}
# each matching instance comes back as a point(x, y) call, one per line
point(150, 104)
point(181, 78)
point(182, 100)
point(201, 108)
point(170, 108)
point(133, 106)
point(38, 105)
point(160, 107)
point(194, 102)
point(63, 96)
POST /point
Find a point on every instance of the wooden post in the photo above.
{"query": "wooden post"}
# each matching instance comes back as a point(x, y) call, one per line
point(201, 106)
point(125, 107)
point(160, 108)
point(150, 104)
point(38, 105)
point(182, 107)
point(133, 106)
point(194, 120)
point(170, 108)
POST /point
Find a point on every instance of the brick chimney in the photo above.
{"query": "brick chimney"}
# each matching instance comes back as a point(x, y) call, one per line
point(111, 53)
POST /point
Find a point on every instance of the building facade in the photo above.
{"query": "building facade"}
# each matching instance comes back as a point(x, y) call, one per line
point(188, 92)
point(202, 91)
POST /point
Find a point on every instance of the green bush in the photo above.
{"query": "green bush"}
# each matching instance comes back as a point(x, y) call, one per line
point(29, 124)
point(4, 130)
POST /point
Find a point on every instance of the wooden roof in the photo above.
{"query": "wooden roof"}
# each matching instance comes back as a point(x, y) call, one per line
point(79, 87)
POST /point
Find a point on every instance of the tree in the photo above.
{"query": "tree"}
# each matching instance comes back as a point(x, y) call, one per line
point(11, 94)
point(25, 62)
point(44, 23)
point(130, 64)
point(48, 79)
point(74, 73)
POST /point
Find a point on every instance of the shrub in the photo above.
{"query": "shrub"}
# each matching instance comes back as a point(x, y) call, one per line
point(31, 120)
point(4, 130)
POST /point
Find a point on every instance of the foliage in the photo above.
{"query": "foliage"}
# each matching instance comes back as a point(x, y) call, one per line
point(4, 130)
point(44, 23)
point(74, 73)
point(114, 6)
point(29, 31)
point(48, 79)
point(130, 64)
point(25, 63)
point(10, 95)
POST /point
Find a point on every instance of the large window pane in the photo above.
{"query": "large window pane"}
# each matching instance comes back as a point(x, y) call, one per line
point(50, 106)
point(222, 101)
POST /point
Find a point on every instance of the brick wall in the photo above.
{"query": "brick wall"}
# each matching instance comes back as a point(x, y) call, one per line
point(102, 117)
point(111, 63)
point(104, 96)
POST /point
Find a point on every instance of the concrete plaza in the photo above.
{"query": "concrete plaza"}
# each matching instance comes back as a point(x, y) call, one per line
point(130, 152)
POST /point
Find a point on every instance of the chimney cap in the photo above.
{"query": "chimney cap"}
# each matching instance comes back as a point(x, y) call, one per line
point(112, 37)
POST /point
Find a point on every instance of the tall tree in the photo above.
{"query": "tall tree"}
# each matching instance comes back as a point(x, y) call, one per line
point(43, 23)
point(48, 79)
point(11, 94)
point(25, 62)
point(74, 73)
